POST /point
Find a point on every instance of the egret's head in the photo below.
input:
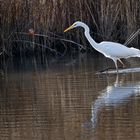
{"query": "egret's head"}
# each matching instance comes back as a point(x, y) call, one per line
point(74, 25)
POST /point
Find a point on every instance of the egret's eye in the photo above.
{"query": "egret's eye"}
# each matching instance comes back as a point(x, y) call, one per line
point(74, 25)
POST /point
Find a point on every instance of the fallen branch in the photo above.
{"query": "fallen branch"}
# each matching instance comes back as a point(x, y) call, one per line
point(55, 38)
point(25, 41)
point(109, 68)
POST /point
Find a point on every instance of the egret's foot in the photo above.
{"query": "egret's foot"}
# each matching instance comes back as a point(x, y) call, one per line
point(124, 66)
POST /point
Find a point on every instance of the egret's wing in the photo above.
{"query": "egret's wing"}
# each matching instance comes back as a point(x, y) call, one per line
point(111, 49)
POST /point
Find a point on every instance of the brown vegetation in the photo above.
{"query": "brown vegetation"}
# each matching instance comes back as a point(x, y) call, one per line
point(108, 19)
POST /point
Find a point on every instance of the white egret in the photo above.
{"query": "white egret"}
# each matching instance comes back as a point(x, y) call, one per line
point(112, 50)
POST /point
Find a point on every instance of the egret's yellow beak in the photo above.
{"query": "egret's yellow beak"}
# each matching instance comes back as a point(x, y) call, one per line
point(69, 28)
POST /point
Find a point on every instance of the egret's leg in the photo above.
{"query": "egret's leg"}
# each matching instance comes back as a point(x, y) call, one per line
point(115, 61)
point(121, 62)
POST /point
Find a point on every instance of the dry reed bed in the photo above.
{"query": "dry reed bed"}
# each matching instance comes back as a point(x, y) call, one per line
point(108, 19)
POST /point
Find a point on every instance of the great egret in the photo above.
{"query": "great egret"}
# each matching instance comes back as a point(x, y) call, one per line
point(112, 50)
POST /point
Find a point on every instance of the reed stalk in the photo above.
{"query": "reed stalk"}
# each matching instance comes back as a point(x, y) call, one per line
point(113, 20)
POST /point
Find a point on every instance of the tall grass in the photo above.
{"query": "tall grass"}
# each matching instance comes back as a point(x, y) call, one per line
point(108, 19)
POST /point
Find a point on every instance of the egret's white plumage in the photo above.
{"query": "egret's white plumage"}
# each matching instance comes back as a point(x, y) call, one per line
point(112, 50)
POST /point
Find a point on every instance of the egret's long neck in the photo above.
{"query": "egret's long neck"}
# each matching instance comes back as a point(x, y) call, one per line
point(89, 38)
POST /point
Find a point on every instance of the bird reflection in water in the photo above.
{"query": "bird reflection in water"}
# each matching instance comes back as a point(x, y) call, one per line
point(113, 96)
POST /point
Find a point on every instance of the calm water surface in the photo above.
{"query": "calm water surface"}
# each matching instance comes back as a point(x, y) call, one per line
point(66, 100)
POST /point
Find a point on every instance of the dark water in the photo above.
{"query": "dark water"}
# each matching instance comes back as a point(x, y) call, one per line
point(66, 100)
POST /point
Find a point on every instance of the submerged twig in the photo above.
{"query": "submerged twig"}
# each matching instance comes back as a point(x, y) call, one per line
point(108, 68)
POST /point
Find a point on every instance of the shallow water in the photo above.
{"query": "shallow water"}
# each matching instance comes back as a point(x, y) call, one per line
point(42, 99)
